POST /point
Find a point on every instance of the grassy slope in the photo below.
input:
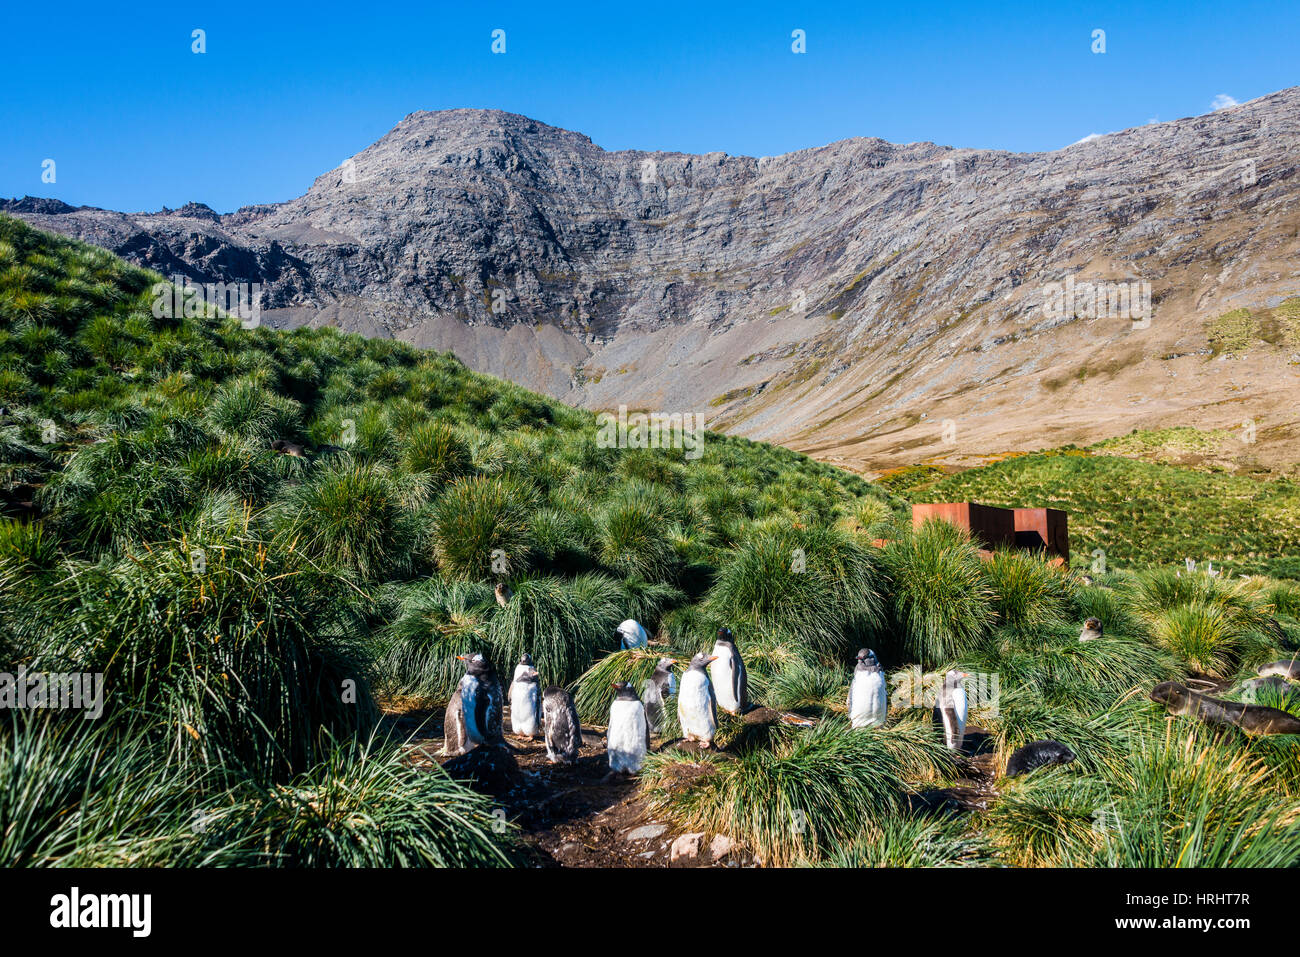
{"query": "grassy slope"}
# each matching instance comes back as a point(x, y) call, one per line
point(244, 605)
point(1140, 513)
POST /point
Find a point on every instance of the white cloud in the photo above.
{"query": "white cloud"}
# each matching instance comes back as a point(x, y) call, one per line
point(1090, 136)
point(1222, 102)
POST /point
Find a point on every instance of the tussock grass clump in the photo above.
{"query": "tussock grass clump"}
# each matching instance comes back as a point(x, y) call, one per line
point(431, 622)
point(88, 794)
point(631, 541)
point(1029, 592)
point(363, 806)
point(248, 661)
point(911, 840)
point(350, 517)
point(818, 586)
point(807, 793)
point(480, 527)
point(942, 602)
point(563, 624)
point(435, 450)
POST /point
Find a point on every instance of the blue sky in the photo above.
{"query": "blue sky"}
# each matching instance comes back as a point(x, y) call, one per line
point(134, 120)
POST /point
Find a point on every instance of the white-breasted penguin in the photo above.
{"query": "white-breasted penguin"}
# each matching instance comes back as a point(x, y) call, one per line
point(1091, 630)
point(697, 708)
point(657, 689)
point(730, 682)
point(631, 634)
point(525, 700)
point(474, 713)
point(563, 729)
point(627, 740)
point(950, 709)
point(868, 697)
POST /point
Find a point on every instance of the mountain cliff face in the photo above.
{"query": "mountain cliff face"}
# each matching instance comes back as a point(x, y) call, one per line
point(867, 302)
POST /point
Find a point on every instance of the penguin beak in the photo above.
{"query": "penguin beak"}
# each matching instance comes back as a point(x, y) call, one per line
point(462, 658)
point(711, 660)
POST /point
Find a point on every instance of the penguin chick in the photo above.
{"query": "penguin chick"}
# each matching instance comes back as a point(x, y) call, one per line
point(627, 740)
point(657, 689)
point(730, 681)
point(525, 700)
point(868, 697)
point(950, 710)
point(631, 634)
point(563, 729)
point(1091, 629)
point(697, 708)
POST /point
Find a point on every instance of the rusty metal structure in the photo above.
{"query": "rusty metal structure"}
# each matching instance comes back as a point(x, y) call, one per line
point(992, 527)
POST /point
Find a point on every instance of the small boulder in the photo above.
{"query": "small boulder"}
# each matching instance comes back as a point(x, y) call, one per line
point(686, 848)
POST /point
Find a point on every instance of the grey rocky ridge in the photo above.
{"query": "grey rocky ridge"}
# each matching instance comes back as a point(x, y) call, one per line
point(867, 302)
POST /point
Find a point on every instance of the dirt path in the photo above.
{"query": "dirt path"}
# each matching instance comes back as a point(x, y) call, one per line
point(581, 816)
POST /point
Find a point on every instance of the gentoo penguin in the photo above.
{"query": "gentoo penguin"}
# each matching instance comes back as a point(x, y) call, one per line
point(628, 738)
point(525, 700)
point(1038, 754)
point(1091, 630)
point(1281, 669)
point(1251, 718)
point(658, 687)
point(730, 683)
point(563, 729)
point(474, 713)
point(697, 708)
point(503, 593)
point(868, 698)
point(286, 447)
point(950, 709)
point(632, 635)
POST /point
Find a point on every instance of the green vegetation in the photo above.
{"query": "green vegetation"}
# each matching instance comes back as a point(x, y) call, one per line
point(1141, 514)
point(250, 610)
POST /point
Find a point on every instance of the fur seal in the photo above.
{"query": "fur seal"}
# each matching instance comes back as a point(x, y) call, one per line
point(1281, 669)
point(503, 593)
point(285, 447)
point(1038, 754)
point(1091, 630)
point(1251, 718)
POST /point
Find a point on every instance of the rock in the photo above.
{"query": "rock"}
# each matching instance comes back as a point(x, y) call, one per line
point(491, 769)
point(536, 255)
point(720, 846)
point(686, 847)
point(645, 832)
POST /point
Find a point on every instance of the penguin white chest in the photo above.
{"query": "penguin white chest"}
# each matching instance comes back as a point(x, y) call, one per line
point(470, 689)
point(695, 706)
point(868, 702)
point(727, 673)
point(954, 719)
point(625, 741)
point(524, 711)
